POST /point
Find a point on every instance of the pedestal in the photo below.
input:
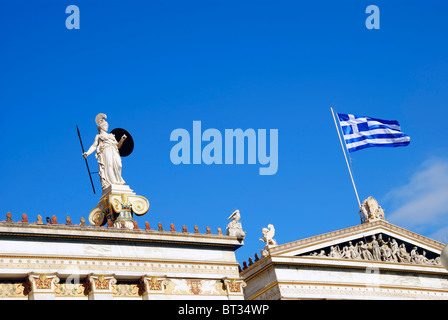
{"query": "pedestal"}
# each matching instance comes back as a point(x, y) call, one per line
point(116, 207)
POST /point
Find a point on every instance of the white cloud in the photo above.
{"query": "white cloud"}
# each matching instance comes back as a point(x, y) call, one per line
point(423, 202)
point(440, 235)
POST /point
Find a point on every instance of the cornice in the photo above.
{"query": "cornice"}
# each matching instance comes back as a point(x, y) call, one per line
point(89, 233)
point(261, 266)
point(334, 235)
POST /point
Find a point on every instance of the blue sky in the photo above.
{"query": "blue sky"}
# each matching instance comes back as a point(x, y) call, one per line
point(155, 66)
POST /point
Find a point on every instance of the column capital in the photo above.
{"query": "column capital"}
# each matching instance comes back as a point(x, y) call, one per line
point(100, 286)
point(41, 285)
point(153, 285)
point(234, 286)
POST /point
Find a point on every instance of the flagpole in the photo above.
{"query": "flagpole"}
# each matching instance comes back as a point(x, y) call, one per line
point(345, 155)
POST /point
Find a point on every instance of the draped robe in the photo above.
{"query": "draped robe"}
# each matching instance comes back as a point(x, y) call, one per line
point(109, 160)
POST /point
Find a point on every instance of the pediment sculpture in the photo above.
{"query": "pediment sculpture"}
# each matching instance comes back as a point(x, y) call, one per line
point(378, 249)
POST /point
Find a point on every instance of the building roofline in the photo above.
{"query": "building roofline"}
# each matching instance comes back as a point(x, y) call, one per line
point(90, 233)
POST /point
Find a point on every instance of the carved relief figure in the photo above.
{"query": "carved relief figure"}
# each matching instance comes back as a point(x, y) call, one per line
point(403, 255)
point(422, 258)
point(378, 250)
point(415, 256)
point(386, 252)
point(334, 252)
point(354, 253)
point(180, 286)
point(346, 254)
point(365, 253)
point(394, 250)
point(376, 253)
point(209, 287)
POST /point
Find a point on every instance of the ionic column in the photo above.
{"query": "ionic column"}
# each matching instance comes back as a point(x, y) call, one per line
point(41, 286)
point(153, 287)
point(100, 286)
point(234, 288)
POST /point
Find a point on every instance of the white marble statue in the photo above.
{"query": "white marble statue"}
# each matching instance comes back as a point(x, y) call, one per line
point(370, 210)
point(234, 227)
point(109, 160)
point(268, 236)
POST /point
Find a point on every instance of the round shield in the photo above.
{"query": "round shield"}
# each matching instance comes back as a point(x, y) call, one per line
point(128, 144)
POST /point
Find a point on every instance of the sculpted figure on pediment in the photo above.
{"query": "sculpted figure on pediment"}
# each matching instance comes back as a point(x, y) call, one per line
point(415, 257)
point(346, 254)
point(354, 252)
point(403, 255)
point(376, 253)
point(381, 242)
point(334, 252)
point(394, 250)
point(365, 253)
point(386, 253)
point(422, 258)
point(378, 250)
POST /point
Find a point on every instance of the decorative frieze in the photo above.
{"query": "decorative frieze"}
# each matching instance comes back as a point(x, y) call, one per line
point(127, 290)
point(378, 249)
point(68, 290)
point(195, 287)
point(13, 290)
point(107, 263)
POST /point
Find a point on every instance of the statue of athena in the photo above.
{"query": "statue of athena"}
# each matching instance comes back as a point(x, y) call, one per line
point(109, 160)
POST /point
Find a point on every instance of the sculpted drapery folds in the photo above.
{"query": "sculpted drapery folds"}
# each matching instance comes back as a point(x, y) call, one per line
point(378, 249)
point(109, 160)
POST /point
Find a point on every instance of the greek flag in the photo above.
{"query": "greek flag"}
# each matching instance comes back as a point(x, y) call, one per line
point(365, 132)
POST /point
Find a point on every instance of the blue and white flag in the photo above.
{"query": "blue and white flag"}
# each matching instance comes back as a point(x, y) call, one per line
point(365, 132)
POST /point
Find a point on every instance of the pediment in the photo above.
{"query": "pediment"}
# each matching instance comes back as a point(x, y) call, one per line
point(373, 241)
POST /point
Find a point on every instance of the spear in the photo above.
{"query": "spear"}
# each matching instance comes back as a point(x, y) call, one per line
point(87, 164)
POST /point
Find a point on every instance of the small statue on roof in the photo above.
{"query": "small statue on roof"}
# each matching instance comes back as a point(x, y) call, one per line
point(234, 227)
point(370, 210)
point(268, 236)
